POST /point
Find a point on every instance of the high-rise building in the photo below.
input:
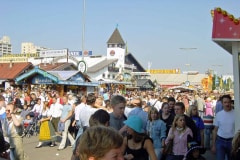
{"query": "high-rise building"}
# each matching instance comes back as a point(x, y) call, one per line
point(28, 47)
point(5, 46)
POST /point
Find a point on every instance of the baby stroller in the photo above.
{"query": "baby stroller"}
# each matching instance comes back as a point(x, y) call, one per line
point(31, 125)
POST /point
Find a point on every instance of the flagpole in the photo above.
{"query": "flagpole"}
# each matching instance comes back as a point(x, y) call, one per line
point(83, 30)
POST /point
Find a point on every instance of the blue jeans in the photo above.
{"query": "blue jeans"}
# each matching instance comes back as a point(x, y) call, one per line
point(223, 148)
point(174, 157)
point(158, 153)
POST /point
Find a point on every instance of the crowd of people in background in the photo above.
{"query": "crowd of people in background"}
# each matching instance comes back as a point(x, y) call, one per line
point(148, 124)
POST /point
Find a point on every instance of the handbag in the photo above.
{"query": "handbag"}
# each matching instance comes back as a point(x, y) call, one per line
point(168, 148)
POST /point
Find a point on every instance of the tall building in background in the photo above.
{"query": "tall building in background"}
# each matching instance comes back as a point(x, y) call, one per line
point(28, 47)
point(5, 46)
point(116, 49)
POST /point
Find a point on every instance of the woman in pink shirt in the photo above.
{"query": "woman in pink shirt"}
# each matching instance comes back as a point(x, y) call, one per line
point(178, 133)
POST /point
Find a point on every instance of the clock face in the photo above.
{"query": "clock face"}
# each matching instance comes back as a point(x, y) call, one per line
point(187, 83)
point(112, 52)
point(82, 66)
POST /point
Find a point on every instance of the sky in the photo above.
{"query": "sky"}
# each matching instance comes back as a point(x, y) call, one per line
point(155, 30)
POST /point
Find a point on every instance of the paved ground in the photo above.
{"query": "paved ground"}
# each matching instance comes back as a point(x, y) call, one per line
point(45, 152)
point(51, 153)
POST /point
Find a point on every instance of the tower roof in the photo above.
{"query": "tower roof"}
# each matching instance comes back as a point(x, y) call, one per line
point(116, 38)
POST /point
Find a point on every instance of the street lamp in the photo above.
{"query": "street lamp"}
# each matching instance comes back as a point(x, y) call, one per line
point(187, 83)
point(188, 65)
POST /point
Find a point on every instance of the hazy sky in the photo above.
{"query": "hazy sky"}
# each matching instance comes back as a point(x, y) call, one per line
point(154, 30)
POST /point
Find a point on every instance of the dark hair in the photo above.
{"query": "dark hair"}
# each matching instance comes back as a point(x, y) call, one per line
point(91, 98)
point(99, 117)
point(171, 99)
point(226, 96)
point(117, 99)
point(180, 104)
point(163, 104)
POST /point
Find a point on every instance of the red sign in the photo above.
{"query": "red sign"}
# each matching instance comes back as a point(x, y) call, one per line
point(225, 26)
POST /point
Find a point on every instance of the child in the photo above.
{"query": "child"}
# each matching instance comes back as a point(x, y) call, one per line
point(194, 151)
point(208, 107)
point(27, 121)
point(235, 154)
point(25, 111)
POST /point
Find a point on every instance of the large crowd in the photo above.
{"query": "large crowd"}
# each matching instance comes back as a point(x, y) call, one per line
point(138, 125)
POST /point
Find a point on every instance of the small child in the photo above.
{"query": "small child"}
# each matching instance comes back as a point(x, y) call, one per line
point(27, 121)
point(194, 151)
point(24, 112)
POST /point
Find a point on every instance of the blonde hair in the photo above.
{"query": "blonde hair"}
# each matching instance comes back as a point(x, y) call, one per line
point(153, 110)
point(96, 141)
point(190, 110)
point(174, 124)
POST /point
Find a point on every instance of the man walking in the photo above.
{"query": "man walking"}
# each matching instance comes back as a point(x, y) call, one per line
point(224, 130)
point(117, 116)
point(12, 129)
point(66, 115)
point(56, 111)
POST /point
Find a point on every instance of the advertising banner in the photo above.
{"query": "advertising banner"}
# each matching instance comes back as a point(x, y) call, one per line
point(53, 53)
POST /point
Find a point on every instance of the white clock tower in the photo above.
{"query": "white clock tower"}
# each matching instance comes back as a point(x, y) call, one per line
point(116, 49)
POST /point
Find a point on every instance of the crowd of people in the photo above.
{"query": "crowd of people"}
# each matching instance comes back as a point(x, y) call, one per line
point(139, 125)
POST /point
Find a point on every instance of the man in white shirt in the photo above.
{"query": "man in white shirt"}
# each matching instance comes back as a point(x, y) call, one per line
point(77, 111)
point(154, 102)
point(87, 111)
point(37, 109)
point(66, 120)
point(56, 112)
point(39, 95)
point(224, 130)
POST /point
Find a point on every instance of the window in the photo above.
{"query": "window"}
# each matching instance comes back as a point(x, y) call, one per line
point(108, 75)
point(103, 75)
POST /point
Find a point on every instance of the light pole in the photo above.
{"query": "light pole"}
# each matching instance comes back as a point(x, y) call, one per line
point(83, 29)
point(187, 83)
point(188, 66)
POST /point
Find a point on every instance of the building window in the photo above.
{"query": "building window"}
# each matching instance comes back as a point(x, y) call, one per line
point(108, 75)
point(103, 75)
point(113, 76)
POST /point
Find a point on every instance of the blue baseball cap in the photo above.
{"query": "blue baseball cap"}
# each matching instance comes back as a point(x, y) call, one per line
point(135, 123)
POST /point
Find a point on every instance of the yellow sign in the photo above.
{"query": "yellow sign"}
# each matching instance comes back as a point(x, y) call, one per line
point(28, 55)
point(13, 59)
point(164, 71)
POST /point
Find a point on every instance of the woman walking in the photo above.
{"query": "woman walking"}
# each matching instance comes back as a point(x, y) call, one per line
point(178, 134)
point(137, 145)
point(156, 129)
point(47, 132)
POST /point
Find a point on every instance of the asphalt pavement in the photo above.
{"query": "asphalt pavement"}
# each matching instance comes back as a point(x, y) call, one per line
point(45, 152)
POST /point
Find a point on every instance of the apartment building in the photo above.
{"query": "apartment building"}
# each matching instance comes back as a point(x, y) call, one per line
point(28, 47)
point(5, 46)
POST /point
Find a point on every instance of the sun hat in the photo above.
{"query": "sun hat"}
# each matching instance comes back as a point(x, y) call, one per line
point(135, 123)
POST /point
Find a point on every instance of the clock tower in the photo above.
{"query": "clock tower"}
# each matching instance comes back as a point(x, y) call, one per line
point(116, 49)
